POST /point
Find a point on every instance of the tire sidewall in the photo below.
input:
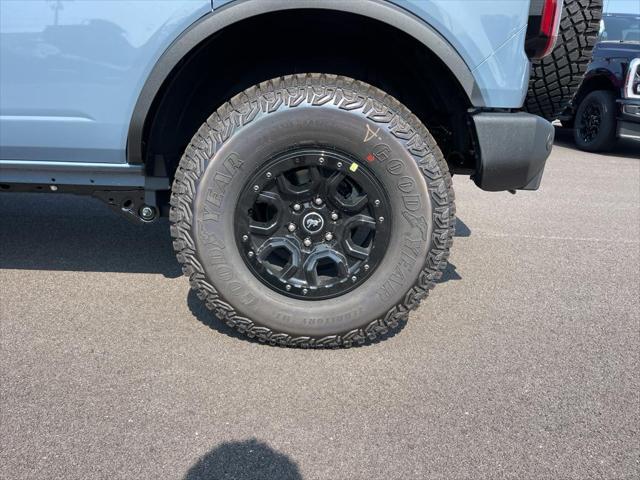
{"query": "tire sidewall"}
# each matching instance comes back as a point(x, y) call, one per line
point(246, 150)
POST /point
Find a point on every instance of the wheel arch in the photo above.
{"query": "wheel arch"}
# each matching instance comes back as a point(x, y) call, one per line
point(591, 83)
point(212, 24)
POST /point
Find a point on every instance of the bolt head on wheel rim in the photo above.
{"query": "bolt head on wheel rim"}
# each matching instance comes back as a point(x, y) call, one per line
point(312, 223)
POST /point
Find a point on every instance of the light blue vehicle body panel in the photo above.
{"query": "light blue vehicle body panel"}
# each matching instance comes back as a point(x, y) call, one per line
point(71, 71)
point(489, 35)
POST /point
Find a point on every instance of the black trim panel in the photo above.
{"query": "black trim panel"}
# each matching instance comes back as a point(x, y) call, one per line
point(72, 173)
point(514, 148)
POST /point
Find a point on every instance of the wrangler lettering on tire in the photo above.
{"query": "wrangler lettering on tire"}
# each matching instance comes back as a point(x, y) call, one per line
point(312, 210)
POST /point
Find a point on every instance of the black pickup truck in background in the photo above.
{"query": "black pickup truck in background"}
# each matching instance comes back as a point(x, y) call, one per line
point(607, 105)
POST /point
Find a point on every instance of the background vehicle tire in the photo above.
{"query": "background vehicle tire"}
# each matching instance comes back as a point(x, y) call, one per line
point(245, 149)
point(595, 122)
point(556, 78)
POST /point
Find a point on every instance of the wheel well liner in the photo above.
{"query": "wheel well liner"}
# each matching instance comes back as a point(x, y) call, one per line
point(237, 11)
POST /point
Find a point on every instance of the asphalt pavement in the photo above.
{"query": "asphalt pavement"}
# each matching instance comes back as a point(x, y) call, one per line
point(524, 362)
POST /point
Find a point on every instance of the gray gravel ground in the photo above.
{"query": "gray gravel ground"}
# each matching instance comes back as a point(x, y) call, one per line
point(523, 363)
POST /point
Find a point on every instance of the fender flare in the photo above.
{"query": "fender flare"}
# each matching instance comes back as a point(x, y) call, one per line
point(239, 10)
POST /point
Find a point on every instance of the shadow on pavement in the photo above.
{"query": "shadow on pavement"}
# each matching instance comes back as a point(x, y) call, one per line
point(76, 233)
point(248, 460)
point(623, 148)
point(461, 229)
point(449, 273)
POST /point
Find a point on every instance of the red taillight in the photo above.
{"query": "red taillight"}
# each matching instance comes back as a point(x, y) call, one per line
point(543, 29)
point(551, 13)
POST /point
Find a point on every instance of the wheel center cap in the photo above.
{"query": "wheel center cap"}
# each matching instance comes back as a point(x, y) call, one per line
point(313, 222)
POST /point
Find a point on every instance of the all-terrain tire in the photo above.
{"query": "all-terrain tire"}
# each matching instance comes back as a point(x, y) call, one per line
point(302, 109)
point(556, 78)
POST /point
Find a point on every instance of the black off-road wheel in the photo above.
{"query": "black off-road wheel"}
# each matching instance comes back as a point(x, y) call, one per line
point(556, 78)
point(595, 122)
point(312, 210)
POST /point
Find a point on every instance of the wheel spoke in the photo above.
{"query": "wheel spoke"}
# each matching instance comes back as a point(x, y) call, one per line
point(305, 188)
point(326, 257)
point(352, 202)
point(366, 224)
point(270, 206)
point(281, 256)
point(334, 180)
point(356, 251)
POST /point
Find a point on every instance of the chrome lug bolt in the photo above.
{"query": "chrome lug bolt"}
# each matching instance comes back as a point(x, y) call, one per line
point(339, 165)
point(291, 227)
point(321, 160)
point(250, 253)
point(297, 207)
point(381, 219)
point(268, 174)
point(307, 242)
point(318, 201)
point(328, 236)
point(354, 278)
point(245, 238)
point(256, 188)
point(147, 212)
point(334, 216)
point(288, 287)
point(366, 267)
point(377, 203)
point(305, 291)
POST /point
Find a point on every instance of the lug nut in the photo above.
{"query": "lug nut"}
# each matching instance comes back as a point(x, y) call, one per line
point(291, 227)
point(296, 207)
point(377, 203)
point(256, 188)
point(288, 287)
point(334, 216)
point(321, 160)
point(307, 242)
point(268, 174)
point(250, 253)
point(381, 219)
point(366, 267)
point(147, 212)
point(245, 238)
point(318, 201)
point(354, 278)
point(305, 291)
point(339, 165)
point(328, 236)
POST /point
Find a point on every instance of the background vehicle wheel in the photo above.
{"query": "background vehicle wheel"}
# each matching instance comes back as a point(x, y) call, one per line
point(556, 78)
point(595, 122)
point(312, 210)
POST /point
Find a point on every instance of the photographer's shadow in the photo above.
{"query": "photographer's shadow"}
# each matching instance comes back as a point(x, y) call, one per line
point(247, 460)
